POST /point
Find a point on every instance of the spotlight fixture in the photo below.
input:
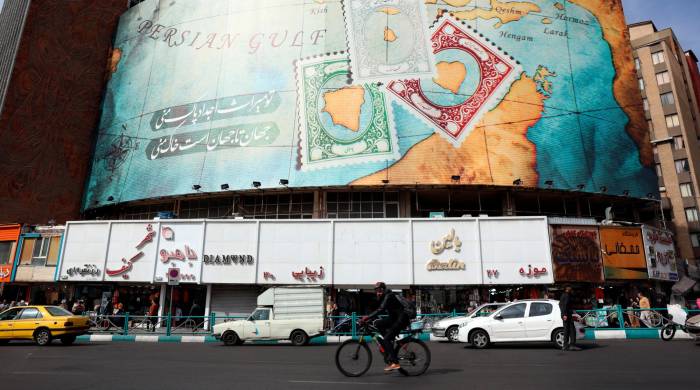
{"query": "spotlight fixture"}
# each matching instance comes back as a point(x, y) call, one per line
point(284, 182)
point(456, 177)
point(110, 198)
point(626, 192)
point(196, 187)
point(650, 195)
point(256, 184)
point(549, 183)
point(603, 189)
point(224, 186)
point(517, 182)
point(385, 181)
point(580, 187)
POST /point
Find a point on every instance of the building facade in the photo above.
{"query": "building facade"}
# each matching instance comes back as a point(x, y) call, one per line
point(667, 77)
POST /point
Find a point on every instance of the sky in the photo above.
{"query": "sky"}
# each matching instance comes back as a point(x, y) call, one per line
point(683, 16)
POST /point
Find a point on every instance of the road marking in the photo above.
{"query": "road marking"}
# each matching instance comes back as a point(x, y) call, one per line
point(46, 373)
point(341, 383)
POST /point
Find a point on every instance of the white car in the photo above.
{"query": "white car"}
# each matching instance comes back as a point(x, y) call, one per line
point(449, 327)
point(520, 321)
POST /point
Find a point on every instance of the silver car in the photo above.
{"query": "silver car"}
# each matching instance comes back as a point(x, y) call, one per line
point(449, 327)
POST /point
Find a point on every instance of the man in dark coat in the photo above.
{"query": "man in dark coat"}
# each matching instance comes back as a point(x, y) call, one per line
point(567, 316)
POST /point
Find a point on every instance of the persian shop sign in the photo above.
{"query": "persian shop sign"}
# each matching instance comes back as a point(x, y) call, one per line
point(229, 259)
point(623, 254)
point(576, 253)
point(449, 241)
point(660, 253)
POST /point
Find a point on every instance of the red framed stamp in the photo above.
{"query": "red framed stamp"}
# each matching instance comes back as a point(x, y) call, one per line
point(473, 76)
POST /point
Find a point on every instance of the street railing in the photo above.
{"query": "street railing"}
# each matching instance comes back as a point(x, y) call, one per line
point(618, 318)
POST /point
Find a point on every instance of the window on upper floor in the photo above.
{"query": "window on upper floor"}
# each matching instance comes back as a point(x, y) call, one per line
point(695, 240)
point(637, 64)
point(691, 213)
point(40, 251)
point(682, 165)
point(667, 98)
point(663, 78)
point(686, 190)
point(641, 84)
point(362, 204)
point(5, 251)
point(678, 143)
point(672, 120)
point(658, 170)
point(645, 103)
point(658, 57)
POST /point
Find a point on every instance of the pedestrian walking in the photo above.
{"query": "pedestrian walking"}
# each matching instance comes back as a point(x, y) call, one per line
point(152, 315)
point(567, 316)
point(645, 315)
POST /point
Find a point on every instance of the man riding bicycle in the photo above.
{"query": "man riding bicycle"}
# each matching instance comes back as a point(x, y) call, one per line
point(390, 326)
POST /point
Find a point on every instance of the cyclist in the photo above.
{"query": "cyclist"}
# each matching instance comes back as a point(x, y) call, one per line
point(390, 326)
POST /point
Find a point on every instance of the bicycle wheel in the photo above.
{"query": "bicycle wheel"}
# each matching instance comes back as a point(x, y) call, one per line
point(667, 332)
point(414, 357)
point(353, 358)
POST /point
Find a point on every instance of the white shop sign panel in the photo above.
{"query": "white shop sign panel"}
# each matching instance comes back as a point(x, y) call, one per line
point(84, 251)
point(180, 249)
point(132, 252)
point(515, 251)
point(366, 252)
point(446, 252)
point(660, 253)
point(295, 253)
point(230, 252)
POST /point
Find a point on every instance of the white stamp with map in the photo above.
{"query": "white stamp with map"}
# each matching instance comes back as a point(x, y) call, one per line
point(341, 123)
point(388, 39)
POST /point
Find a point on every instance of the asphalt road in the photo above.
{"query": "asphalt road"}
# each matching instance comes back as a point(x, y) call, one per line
point(631, 364)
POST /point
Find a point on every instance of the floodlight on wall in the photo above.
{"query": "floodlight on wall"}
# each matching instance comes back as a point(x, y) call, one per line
point(110, 198)
point(517, 182)
point(196, 187)
point(580, 187)
point(626, 192)
point(224, 186)
point(456, 177)
point(549, 183)
point(385, 181)
point(284, 182)
point(603, 189)
point(650, 196)
point(257, 184)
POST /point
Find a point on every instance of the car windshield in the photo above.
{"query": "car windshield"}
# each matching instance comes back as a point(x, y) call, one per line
point(485, 310)
point(58, 311)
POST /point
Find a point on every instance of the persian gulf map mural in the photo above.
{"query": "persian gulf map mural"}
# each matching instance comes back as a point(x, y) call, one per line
point(357, 92)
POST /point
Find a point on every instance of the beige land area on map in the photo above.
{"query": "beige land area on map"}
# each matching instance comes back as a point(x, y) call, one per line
point(450, 75)
point(516, 10)
point(344, 104)
point(510, 154)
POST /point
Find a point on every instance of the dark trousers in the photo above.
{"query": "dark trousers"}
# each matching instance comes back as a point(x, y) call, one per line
point(569, 332)
point(390, 327)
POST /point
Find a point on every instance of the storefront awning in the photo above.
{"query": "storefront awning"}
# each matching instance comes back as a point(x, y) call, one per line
point(683, 286)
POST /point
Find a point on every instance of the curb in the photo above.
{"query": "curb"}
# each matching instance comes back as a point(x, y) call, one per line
point(591, 334)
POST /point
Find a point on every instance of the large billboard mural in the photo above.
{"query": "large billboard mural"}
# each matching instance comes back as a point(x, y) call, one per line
point(329, 92)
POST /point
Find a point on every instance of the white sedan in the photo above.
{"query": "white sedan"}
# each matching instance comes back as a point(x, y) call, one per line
point(520, 321)
point(449, 327)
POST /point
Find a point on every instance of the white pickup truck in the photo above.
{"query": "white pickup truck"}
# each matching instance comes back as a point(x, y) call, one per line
point(283, 313)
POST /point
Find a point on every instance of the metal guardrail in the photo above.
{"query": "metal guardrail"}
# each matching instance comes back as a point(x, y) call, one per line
point(347, 325)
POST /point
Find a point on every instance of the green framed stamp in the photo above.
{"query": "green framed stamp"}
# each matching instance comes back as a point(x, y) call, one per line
point(341, 123)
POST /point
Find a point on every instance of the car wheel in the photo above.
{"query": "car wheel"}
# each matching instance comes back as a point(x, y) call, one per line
point(299, 337)
point(42, 337)
point(451, 333)
point(230, 338)
point(68, 340)
point(479, 339)
point(558, 338)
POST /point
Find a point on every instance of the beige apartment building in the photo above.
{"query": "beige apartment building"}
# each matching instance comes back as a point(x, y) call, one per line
point(671, 107)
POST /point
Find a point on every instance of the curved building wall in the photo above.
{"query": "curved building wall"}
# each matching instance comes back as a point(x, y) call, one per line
point(329, 93)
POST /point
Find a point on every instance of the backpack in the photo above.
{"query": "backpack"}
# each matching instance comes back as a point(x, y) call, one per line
point(409, 308)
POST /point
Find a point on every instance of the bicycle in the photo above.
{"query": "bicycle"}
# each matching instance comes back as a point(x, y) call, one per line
point(413, 354)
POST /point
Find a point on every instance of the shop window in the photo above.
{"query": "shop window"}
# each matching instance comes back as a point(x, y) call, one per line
point(691, 214)
point(540, 309)
point(515, 311)
point(686, 190)
point(40, 251)
point(658, 57)
point(362, 204)
point(667, 98)
point(663, 78)
point(277, 206)
point(678, 143)
point(672, 120)
point(5, 251)
point(695, 240)
point(682, 165)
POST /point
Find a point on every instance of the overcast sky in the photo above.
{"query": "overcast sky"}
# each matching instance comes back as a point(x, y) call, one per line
point(683, 16)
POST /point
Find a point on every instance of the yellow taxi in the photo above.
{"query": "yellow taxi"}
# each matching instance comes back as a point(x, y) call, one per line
point(41, 324)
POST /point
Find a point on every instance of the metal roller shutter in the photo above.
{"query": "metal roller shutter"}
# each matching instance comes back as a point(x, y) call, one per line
point(234, 300)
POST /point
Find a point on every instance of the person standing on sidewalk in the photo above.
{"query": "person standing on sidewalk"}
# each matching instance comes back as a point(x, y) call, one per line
point(567, 316)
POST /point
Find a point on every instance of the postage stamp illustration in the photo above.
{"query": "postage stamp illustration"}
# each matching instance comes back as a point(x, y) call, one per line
point(341, 123)
point(388, 39)
point(473, 75)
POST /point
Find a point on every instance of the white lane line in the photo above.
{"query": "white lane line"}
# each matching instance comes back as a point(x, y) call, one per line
point(46, 373)
point(340, 383)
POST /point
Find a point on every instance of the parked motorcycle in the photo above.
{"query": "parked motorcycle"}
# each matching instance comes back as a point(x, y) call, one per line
point(677, 320)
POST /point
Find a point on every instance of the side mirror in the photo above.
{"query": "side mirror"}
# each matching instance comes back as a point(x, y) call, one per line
point(498, 317)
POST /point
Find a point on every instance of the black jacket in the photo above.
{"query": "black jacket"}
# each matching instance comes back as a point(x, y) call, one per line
point(565, 305)
point(390, 305)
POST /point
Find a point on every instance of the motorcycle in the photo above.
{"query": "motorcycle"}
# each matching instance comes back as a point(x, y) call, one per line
point(677, 321)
